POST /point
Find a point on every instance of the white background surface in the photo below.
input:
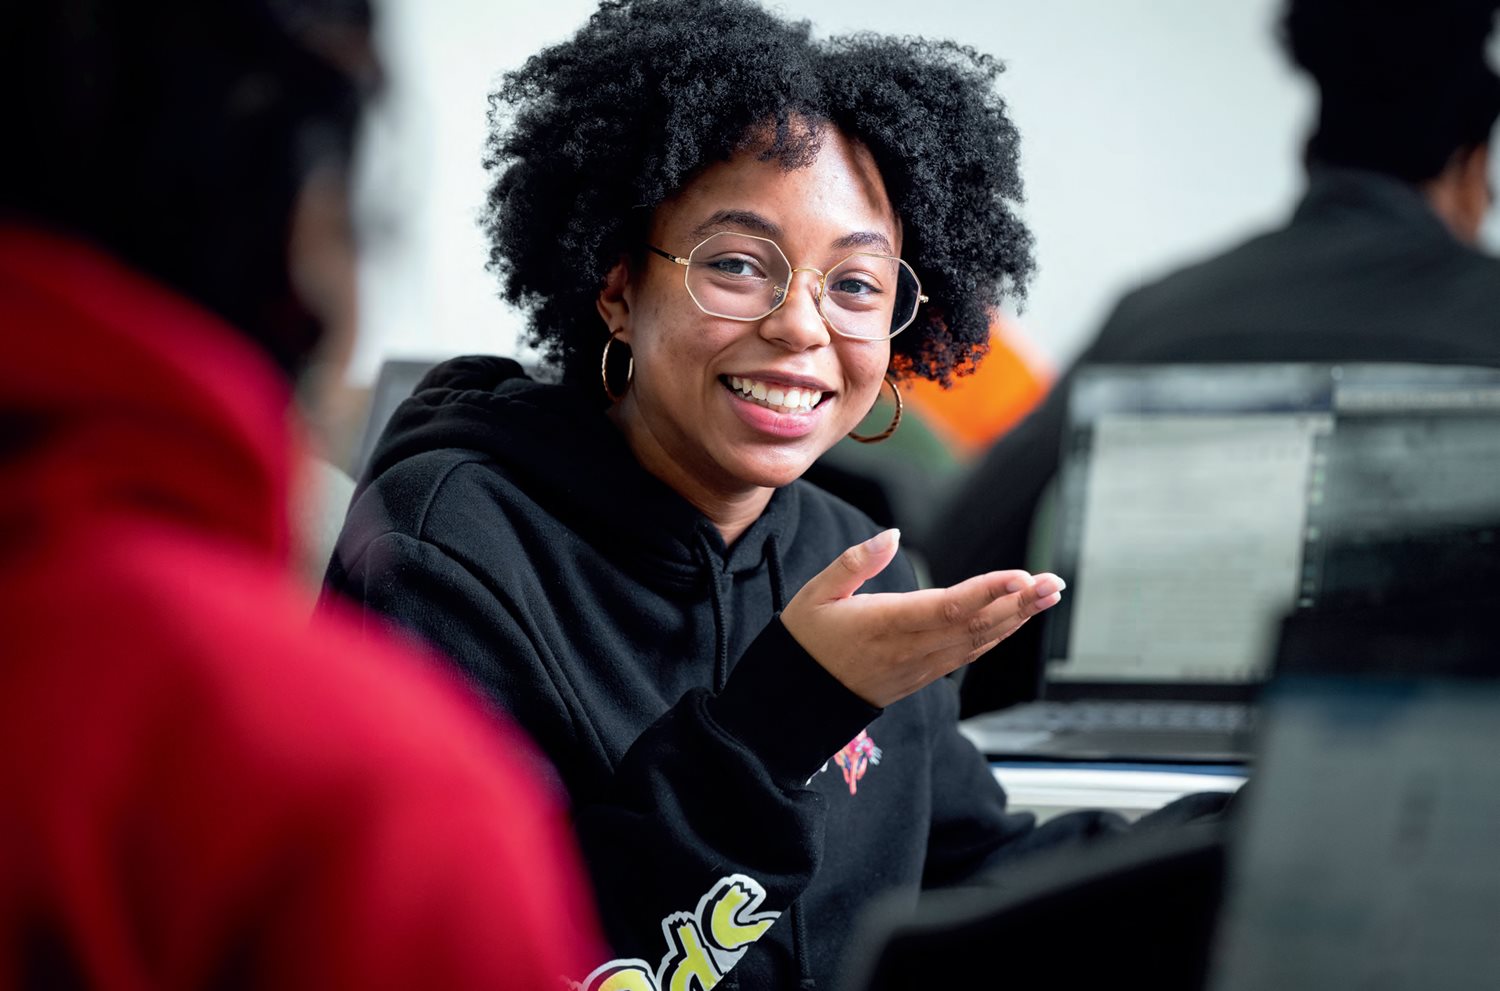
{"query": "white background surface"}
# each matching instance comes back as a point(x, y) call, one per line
point(1047, 791)
point(1153, 132)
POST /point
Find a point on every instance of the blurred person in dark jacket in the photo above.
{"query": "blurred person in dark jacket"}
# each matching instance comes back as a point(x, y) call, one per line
point(197, 788)
point(1379, 262)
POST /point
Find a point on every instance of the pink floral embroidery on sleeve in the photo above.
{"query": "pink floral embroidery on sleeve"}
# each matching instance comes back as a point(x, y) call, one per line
point(855, 759)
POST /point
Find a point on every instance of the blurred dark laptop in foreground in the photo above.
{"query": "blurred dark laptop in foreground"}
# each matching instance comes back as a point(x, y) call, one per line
point(1366, 853)
point(1199, 504)
point(1362, 856)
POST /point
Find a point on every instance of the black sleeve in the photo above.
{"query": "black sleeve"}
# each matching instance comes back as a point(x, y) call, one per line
point(706, 830)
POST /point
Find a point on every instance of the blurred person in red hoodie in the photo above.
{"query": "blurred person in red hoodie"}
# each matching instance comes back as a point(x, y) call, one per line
point(197, 788)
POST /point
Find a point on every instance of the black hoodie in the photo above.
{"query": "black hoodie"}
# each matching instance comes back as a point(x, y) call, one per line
point(718, 774)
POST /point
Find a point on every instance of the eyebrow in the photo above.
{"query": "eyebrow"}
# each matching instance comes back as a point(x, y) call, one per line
point(866, 239)
point(753, 222)
point(746, 219)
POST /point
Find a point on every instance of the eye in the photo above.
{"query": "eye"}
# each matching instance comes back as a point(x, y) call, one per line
point(735, 267)
point(852, 286)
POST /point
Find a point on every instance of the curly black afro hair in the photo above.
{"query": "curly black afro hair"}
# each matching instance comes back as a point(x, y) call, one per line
point(591, 135)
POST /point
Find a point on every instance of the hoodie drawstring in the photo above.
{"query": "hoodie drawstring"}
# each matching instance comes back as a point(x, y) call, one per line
point(778, 580)
point(805, 981)
point(721, 623)
point(721, 653)
point(795, 917)
point(798, 919)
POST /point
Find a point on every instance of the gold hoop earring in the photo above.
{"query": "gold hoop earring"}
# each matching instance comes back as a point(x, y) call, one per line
point(614, 397)
point(895, 420)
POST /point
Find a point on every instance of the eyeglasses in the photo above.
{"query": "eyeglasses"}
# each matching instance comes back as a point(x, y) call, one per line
point(867, 296)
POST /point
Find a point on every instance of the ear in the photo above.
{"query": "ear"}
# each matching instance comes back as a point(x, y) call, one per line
point(1471, 192)
point(1476, 178)
point(614, 301)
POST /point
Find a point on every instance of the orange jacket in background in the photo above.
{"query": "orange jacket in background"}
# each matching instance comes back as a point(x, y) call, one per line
point(982, 406)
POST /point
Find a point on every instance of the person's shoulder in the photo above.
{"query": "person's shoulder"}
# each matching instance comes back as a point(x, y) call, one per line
point(471, 457)
point(202, 636)
point(425, 473)
point(1458, 310)
point(1296, 295)
point(416, 492)
point(1480, 275)
point(232, 632)
point(1205, 284)
point(185, 677)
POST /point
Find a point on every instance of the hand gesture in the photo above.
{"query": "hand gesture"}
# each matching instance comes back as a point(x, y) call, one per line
point(885, 646)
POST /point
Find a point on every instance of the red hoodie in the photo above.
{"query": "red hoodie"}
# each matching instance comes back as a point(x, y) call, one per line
point(197, 787)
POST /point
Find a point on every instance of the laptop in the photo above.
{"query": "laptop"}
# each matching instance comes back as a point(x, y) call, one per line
point(1365, 855)
point(1198, 505)
point(1143, 905)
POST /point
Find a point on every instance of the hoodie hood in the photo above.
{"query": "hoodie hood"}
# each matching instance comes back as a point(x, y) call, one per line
point(120, 397)
point(559, 445)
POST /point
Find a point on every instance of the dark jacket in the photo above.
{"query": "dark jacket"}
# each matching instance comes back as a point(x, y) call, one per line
point(198, 787)
point(718, 773)
point(1365, 271)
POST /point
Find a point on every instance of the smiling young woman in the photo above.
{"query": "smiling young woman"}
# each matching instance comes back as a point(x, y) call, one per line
point(727, 447)
point(747, 232)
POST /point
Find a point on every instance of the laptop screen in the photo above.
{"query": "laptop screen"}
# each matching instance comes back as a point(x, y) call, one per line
point(1365, 856)
point(1200, 504)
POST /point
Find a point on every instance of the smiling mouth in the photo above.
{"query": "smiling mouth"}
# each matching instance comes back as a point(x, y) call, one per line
point(777, 398)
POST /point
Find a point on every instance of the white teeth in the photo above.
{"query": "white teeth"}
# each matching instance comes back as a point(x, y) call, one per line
point(802, 400)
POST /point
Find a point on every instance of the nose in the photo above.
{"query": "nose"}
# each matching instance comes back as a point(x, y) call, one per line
point(797, 324)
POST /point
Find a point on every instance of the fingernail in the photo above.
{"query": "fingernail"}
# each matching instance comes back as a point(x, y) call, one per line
point(1048, 585)
point(884, 539)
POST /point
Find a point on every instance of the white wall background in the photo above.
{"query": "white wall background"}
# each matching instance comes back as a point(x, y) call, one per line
point(1153, 131)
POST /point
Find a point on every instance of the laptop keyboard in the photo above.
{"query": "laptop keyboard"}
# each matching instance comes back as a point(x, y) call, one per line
point(1053, 717)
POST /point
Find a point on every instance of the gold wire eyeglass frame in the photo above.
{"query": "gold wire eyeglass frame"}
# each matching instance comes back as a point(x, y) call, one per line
point(782, 293)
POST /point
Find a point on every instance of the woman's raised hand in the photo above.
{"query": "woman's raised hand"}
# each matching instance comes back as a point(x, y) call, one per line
point(885, 645)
